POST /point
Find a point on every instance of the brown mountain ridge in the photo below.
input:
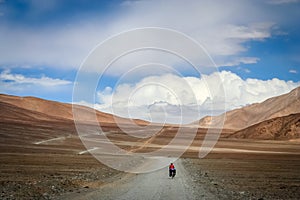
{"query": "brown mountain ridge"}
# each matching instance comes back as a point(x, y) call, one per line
point(32, 108)
point(286, 127)
point(242, 118)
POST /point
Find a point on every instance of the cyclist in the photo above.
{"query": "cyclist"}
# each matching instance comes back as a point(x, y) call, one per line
point(172, 170)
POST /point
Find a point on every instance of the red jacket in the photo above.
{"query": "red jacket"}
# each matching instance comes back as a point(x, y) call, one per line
point(171, 166)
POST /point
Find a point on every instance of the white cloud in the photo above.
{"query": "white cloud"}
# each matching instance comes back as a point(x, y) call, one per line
point(247, 70)
point(293, 71)
point(279, 2)
point(238, 61)
point(254, 31)
point(184, 99)
point(53, 46)
point(241, 92)
point(222, 32)
point(43, 86)
point(12, 79)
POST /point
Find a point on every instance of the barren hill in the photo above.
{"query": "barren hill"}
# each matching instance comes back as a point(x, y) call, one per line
point(287, 127)
point(244, 117)
point(29, 108)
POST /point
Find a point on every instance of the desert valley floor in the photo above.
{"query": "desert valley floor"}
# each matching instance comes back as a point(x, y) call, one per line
point(50, 166)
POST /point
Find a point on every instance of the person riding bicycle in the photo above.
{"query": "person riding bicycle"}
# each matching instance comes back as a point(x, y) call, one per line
point(172, 170)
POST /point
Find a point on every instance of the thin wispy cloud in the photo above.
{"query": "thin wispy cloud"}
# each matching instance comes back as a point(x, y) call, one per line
point(293, 71)
point(9, 78)
point(41, 86)
point(279, 2)
point(241, 60)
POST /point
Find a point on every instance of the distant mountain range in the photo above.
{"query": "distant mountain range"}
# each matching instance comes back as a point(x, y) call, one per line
point(275, 118)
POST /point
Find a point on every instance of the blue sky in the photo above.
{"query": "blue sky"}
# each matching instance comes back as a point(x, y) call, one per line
point(255, 45)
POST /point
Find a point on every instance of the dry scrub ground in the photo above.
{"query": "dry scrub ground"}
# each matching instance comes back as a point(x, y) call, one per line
point(246, 177)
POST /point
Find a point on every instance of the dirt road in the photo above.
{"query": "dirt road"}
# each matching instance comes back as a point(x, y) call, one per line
point(155, 185)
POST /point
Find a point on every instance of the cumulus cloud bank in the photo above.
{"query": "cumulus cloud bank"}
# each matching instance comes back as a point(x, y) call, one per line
point(168, 97)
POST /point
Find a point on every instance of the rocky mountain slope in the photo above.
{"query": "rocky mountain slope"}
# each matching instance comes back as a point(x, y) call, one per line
point(287, 127)
point(242, 118)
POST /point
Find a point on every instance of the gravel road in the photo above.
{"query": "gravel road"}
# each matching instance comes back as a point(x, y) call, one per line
point(155, 185)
